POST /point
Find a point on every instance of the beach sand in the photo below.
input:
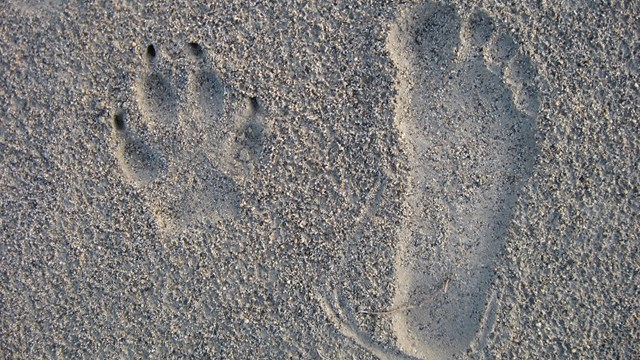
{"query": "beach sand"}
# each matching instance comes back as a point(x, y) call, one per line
point(315, 180)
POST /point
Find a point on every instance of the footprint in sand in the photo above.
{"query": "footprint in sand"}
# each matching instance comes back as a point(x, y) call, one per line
point(466, 109)
point(466, 112)
point(190, 153)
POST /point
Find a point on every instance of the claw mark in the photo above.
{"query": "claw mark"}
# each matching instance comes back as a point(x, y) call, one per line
point(151, 52)
point(118, 122)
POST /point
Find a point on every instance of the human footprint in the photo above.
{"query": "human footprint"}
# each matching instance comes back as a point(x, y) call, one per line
point(466, 110)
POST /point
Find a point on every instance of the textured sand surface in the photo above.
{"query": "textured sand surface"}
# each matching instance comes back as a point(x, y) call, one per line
point(309, 179)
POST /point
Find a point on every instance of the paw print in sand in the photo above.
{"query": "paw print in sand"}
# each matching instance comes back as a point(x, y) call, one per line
point(194, 146)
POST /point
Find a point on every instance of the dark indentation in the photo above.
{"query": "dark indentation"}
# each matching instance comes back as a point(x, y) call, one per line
point(151, 52)
point(118, 122)
point(196, 49)
point(254, 103)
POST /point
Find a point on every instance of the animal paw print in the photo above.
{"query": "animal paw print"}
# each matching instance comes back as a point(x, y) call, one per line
point(193, 149)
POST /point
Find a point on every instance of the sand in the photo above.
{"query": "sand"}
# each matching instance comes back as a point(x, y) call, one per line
point(226, 179)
